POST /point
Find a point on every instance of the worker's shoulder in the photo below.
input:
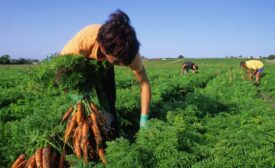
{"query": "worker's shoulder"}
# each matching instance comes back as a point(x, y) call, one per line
point(254, 61)
point(90, 28)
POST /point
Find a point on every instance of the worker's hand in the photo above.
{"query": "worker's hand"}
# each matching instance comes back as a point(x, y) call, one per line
point(109, 117)
point(143, 120)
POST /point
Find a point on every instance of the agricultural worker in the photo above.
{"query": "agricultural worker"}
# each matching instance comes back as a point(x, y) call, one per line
point(256, 67)
point(114, 41)
point(189, 65)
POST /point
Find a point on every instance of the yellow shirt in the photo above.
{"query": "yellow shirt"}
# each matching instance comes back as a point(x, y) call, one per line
point(84, 42)
point(254, 64)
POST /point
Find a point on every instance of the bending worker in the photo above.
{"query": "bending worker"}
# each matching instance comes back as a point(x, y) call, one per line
point(189, 65)
point(114, 41)
point(256, 67)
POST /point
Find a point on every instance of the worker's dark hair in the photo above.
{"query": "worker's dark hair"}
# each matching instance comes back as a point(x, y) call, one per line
point(196, 67)
point(118, 37)
point(242, 63)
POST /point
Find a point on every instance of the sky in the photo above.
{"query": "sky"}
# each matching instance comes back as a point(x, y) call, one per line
point(193, 28)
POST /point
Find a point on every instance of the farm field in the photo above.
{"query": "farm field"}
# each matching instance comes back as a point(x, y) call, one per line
point(213, 118)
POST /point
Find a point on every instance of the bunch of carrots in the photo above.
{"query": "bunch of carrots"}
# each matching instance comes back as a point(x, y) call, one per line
point(85, 127)
point(84, 131)
point(42, 158)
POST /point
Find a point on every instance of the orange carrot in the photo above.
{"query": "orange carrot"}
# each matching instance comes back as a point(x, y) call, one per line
point(78, 152)
point(94, 118)
point(101, 120)
point(62, 160)
point(38, 157)
point(21, 165)
point(77, 140)
point(95, 129)
point(102, 156)
point(84, 133)
point(18, 160)
point(67, 114)
point(76, 132)
point(94, 108)
point(97, 135)
point(31, 162)
point(46, 157)
point(69, 130)
point(80, 113)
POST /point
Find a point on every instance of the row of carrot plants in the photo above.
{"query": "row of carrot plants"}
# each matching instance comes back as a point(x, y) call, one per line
point(210, 119)
point(32, 120)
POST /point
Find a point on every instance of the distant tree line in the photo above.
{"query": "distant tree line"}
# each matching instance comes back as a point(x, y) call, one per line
point(270, 57)
point(6, 59)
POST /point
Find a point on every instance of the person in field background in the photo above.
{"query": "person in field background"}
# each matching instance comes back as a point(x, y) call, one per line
point(186, 66)
point(253, 68)
point(114, 41)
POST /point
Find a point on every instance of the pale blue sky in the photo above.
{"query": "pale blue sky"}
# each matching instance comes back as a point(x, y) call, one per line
point(193, 28)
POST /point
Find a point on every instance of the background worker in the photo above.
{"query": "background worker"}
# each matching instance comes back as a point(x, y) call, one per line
point(115, 41)
point(189, 65)
point(256, 67)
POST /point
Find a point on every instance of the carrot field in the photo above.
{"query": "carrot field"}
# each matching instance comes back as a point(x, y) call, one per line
point(213, 118)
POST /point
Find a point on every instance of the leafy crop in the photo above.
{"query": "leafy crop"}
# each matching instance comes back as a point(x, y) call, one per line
point(71, 72)
point(210, 119)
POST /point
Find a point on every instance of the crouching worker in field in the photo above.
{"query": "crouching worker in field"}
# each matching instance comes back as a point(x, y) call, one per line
point(189, 65)
point(253, 68)
point(114, 41)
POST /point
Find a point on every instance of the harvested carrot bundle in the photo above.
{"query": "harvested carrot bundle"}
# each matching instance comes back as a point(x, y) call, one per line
point(85, 126)
point(42, 158)
point(84, 122)
point(83, 133)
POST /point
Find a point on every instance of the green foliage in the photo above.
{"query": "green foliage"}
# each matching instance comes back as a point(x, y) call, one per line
point(71, 72)
point(271, 57)
point(5, 59)
point(210, 119)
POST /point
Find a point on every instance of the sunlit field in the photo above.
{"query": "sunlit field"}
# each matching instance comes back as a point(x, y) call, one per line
point(214, 118)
